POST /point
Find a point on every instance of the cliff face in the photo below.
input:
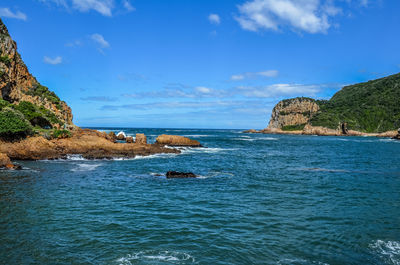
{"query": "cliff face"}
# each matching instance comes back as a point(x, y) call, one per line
point(292, 112)
point(17, 84)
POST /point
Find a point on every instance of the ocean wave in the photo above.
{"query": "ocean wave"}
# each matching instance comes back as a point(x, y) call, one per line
point(193, 150)
point(159, 257)
point(388, 251)
point(322, 169)
point(85, 167)
point(197, 135)
point(299, 261)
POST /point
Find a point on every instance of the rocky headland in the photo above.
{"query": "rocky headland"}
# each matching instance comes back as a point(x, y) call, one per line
point(365, 109)
point(36, 124)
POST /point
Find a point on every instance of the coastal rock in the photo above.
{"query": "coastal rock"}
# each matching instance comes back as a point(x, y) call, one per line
point(251, 131)
point(129, 139)
point(90, 144)
point(17, 84)
point(121, 136)
point(175, 140)
point(175, 174)
point(292, 112)
point(6, 163)
point(112, 136)
point(141, 138)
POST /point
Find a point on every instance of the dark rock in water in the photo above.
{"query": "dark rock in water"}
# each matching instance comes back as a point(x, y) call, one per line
point(175, 174)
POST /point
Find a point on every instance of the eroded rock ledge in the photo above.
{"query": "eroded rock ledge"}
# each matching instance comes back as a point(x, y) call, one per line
point(90, 144)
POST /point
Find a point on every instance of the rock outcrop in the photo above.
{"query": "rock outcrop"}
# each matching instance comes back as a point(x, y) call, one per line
point(129, 139)
point(141, 138)
point(6, 163)
point(17, 84)
point(121, 136)
point(292, 112)
point(175, 174)
point(90, 144)
point(175, 140)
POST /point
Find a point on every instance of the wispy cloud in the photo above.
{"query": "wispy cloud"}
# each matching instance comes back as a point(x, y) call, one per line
point(100, 41)
point(99, 99)
point(128, 6)
point(311, 16)
point(104, 7)
point(54, 61)
point(267, 73)
point(214, 19)
point(6, 12)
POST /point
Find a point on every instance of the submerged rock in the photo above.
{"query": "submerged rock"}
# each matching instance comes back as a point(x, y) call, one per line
point(175, 140)
point(175, 174)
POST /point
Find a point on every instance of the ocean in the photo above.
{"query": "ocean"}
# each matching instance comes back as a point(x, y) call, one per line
point(260, 199)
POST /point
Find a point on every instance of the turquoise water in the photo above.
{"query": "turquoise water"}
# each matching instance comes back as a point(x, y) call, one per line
point(261, 199)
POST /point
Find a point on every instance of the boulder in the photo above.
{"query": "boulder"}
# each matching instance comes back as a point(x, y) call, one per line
point(397, 137)
point(251, 131)
point(175, 174)
point(175, 140)
point(112, 137)
point(121, 136)
point(5, 162)
point(129, 139)
point(141, 138)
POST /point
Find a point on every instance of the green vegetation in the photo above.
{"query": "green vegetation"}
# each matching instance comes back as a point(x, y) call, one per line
point(37, 116)
point(5, 59)
point(13, 125)
point(43, 92)
point(373, 106)
point(61, 134)
point(4, 103)
point(297, 127)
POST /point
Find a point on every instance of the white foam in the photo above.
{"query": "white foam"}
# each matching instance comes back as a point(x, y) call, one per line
point(172, 257)
point(121, 133)
point(299, 261)
point(197, 135)
point(75, 157)
point(191, 150)
point(322, 169)
point(389, 251)
point(85, 167)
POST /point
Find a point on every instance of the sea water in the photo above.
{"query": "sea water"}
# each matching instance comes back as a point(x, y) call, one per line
point(260, 199)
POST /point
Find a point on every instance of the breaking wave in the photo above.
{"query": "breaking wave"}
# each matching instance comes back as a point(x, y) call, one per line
point(157, 257)
point(388, 251)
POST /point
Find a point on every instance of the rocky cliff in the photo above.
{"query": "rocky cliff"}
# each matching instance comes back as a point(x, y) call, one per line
point(293, 113)
point(17, 84)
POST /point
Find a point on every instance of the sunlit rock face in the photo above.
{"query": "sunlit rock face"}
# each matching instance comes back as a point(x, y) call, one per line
point(17, 84)
point(289, 112)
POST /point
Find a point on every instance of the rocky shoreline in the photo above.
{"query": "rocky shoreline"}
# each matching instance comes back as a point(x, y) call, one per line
point(90, 144)
point(322, 131)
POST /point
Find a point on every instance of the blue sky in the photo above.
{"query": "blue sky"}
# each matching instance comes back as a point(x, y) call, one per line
point(200, 64)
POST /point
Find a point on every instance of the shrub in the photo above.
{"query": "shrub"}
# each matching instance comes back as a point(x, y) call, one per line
point(61, 134)
point(5, 59)
point(38, 116)
point(43, 92)
point(13, 124)
point(4, 103)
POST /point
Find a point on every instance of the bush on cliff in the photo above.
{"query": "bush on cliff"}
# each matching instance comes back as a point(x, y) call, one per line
point(43, 92)
point(37, 116)
point(373, 106)
point(61, 134)
point(4, 103)
point(13, 125)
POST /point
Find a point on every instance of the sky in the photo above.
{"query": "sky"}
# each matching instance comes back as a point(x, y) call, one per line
point(200, 63)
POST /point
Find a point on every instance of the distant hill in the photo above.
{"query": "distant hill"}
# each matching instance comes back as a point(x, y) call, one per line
point(372, 107)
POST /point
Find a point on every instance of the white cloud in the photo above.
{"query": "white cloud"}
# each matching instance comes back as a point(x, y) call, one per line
point(104, 7)
point(128, 6)
point(99, 39)
point(53, 61)
point(301, 15)
point(6, 12)
point(267, 73)
point(203, 89)
point(279, 90)
point(214, 19)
